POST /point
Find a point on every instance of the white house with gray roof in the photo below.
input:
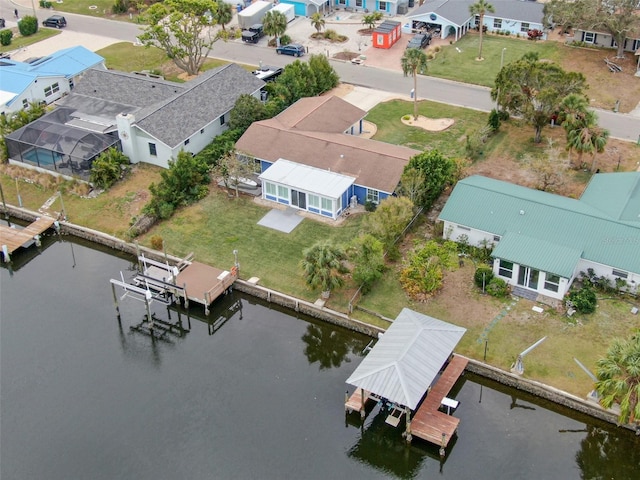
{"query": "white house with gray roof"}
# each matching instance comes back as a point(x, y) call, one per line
point(542, 241)
point(453, 19)
point(149, 118)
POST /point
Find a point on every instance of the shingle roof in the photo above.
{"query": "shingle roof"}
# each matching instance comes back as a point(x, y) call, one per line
point(407, 358)
point(503, 208)
point(125, 88)
point(202, 101)
point(457, 11)
point(321, 114)
point(374, 164)
point(170, 112)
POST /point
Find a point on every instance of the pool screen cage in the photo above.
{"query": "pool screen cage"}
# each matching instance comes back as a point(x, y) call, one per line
point(51, 144)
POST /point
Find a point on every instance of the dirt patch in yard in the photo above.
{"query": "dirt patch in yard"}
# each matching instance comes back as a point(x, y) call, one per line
point(605, 87)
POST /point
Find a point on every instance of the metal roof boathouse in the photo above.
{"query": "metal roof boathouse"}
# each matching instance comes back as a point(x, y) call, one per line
point(401, 369)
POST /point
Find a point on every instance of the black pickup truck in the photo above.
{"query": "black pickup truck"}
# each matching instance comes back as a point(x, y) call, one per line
point(253, 34)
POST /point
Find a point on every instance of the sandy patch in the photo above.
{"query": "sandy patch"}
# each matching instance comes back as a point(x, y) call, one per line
point(429, 124)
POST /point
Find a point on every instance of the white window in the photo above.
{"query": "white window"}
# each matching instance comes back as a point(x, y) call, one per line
point(373, 196)
point(551, 282)
point(327, 204)
point(358, 3)
point(524, 27)
point(466, 229)
point(50, 90)
point(506, 269)
point(271, 189)
point(342, 2)
point(382, 6)
point(313, 201)
point(497, 23)
point(283, 192)
point(25, 103)
point(589, 37)
point(152, 150)
point(496, 238)
point(186, 142)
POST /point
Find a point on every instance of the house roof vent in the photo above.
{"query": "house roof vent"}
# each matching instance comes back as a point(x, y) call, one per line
point(521, 212)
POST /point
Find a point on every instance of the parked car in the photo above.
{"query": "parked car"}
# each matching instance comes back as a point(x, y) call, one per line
point(55, 21)
point(253, 33)
point(419, 40)
point(293, 49)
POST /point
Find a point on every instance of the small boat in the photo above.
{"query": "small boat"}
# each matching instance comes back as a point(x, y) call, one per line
point(243, 182)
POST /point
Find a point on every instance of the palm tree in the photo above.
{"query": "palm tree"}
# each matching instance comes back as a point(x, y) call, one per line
point(619, 378)
point(585, 136)
point(573, 110)
point(317, 21)
point(224, 15)
point(480, 8)
point(599, 139)
point(414, 60)
point(274, 23)
point(322, 265)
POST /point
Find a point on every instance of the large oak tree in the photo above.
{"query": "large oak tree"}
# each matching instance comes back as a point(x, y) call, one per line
point(183, 29)
point(533, 89)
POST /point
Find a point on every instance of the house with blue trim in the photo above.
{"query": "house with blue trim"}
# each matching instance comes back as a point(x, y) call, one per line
point(312, 158)
point(453, 19)
point(542, 241)
point(45, 79)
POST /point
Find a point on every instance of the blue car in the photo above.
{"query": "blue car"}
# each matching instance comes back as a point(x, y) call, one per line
point(294, 49)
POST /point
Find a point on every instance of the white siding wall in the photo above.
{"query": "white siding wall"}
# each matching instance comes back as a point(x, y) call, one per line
point(453, 231)
point(633, 279)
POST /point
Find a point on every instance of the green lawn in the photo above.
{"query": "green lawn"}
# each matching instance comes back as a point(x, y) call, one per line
point(450, 141)
point(217, 225)
point(82, 7)
point(126, 57)
point(18, 41)
point(462, 65)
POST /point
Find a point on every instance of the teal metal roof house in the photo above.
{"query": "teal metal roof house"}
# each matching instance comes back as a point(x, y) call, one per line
point(45, 79)
point(543, 241)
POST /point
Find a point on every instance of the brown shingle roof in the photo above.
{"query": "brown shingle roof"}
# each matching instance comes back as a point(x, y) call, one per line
point(321, 114)
point(375, 164)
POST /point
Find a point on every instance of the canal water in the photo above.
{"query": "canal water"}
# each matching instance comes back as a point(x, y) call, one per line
point(252, 392)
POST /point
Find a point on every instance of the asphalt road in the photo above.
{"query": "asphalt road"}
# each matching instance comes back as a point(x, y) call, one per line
point(620, 125)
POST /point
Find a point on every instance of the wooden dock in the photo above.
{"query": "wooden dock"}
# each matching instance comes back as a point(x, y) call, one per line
point(357, 401)
point(430, 424)
point(15, 238)
point(205, 283)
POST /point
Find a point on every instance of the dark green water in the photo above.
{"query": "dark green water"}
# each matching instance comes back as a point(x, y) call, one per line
point(83, 397)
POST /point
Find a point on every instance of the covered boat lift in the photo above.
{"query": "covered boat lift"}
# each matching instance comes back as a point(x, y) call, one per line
point(401, 369)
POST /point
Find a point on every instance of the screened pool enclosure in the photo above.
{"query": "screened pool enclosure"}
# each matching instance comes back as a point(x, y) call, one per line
point(61, 142)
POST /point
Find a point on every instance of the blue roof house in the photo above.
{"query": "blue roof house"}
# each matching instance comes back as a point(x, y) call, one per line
point(542, 241)
point(45, 79)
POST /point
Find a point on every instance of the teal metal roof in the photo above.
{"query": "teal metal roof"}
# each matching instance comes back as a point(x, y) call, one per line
point(615, 194)
point(500, 207)
point(538, 254)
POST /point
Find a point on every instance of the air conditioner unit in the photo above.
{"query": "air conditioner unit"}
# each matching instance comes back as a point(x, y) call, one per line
point(353, 202)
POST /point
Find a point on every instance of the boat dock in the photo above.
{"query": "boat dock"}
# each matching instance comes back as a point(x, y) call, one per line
point(428, 422)
point(14, 238)
point(357, 401)
point(203, 283)
point(191, 281)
